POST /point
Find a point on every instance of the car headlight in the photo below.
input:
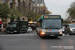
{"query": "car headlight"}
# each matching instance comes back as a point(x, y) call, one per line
point(15, 31)
point(70, 29)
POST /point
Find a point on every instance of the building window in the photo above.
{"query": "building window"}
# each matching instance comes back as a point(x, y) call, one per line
point(11, 5)
point(23, 19)
point(10, 1)
point(3, 1)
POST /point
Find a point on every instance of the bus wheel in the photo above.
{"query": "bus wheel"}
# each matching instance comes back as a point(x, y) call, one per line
point(19, 32)
point(24, 31)
point(56, 36)
point(70, 33)
point(41, 37)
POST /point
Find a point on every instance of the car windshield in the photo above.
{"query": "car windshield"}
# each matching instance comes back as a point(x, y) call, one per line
point(54, 24)
point(71, 25)
point(11, 25)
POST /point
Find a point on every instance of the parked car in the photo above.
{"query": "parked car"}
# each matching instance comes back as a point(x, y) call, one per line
point(29, 29)
point(72, 29)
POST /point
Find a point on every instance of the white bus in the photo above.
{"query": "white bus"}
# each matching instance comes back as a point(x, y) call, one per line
point(50, 25)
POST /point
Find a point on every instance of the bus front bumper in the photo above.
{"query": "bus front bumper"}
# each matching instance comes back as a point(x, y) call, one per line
point(11, 32)
point(52, 34)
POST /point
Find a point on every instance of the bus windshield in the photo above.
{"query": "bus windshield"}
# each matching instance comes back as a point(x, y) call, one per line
point(51, 24)
point(11, 25)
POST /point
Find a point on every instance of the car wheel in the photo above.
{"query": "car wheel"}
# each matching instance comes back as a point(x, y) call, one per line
point(70, 34)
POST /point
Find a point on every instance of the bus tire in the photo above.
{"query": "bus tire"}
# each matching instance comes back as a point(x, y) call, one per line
point(43, 37)
point(56, 36)
point(19, 32)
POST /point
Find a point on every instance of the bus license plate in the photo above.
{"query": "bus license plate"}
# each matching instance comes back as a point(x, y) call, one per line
point(51, 35)
point(11, 32)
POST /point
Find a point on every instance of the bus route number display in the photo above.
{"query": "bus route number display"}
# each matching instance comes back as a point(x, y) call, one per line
point(51, 16)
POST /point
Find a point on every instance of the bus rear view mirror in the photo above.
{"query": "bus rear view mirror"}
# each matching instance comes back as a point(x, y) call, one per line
point(40, 20)
point(62, 20)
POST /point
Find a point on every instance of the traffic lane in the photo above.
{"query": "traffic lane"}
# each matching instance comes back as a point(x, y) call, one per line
point(36, 43)
point(2, 33)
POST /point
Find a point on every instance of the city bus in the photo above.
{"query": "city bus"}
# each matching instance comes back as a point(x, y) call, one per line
point(49, 25)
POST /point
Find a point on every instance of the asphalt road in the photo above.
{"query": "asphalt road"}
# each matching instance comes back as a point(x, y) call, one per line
point(30, 41)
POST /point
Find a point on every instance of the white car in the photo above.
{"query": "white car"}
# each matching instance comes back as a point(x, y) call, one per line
point(29, 29)
point(72, 28)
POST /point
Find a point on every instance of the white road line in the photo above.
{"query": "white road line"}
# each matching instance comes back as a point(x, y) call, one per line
point(20, 35)
point(66, 35)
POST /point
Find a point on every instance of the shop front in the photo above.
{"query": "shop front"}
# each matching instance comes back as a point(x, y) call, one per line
point(1, 26)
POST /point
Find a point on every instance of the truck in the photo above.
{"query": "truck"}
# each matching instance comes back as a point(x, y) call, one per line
point(17, 27)
point(32, 24)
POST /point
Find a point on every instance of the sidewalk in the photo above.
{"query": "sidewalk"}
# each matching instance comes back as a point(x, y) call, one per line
point(2, 32)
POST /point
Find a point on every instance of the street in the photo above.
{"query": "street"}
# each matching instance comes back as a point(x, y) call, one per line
point(31, 41)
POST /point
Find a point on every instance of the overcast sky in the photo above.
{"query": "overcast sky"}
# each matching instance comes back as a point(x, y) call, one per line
point(59, 6)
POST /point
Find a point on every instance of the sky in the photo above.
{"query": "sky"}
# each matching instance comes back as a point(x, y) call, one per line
point(59, 7)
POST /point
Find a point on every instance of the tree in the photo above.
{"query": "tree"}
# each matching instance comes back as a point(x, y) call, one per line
point(14, 14)
point(71, 10)
point(4, 11)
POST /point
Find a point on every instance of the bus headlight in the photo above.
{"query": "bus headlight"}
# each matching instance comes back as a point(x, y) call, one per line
point(70, 29)
point(60, 32)
point(43, 30)
point(42, 33)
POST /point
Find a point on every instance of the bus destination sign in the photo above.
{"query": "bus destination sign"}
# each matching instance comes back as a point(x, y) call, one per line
point(51, 17)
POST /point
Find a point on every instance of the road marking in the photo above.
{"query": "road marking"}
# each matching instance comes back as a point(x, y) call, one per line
point(66, 35)
point(20, 35)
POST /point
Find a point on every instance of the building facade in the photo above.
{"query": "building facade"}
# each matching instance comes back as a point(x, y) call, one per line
point(39, 6)
point(21, 5)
